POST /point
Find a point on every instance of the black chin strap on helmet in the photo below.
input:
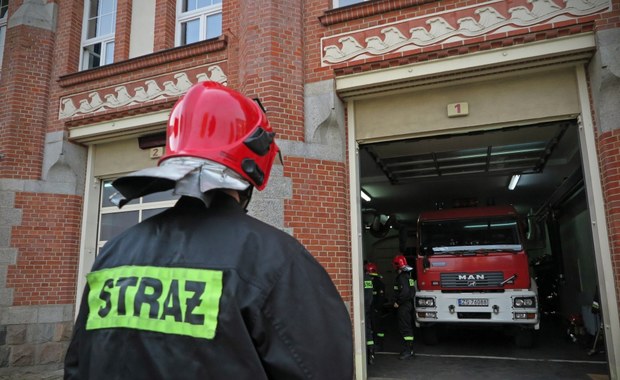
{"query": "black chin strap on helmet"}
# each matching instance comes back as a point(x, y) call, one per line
point(245, 196)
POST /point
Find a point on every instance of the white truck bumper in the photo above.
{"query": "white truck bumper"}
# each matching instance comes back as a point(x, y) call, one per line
point(477, 308)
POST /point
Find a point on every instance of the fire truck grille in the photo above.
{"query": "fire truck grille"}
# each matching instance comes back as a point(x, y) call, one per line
point(471, 280)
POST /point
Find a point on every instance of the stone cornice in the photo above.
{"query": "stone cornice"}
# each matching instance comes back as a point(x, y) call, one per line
point(143, 62)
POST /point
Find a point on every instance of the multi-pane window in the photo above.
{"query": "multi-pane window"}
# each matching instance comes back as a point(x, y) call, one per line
point(4, 9)
point(344, 3)
point(98, 33)
point(113, 221)
point(198, 20)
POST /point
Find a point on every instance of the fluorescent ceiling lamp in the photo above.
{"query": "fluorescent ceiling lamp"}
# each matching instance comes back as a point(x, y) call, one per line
point(508, 224)
point(513, 181)
point(365, 196)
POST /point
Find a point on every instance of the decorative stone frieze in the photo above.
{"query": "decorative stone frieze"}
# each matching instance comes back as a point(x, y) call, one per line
point(454, 25)
point(139, 92)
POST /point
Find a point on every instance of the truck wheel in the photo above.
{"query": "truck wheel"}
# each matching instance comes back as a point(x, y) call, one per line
point(524, 338)
point(429, 336)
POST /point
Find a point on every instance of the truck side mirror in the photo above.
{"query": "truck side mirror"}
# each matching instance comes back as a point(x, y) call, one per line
point(426, 263)
point(426, 250)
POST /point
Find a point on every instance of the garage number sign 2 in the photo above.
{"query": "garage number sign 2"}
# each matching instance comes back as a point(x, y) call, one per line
point(180, 301)
point(458, 109)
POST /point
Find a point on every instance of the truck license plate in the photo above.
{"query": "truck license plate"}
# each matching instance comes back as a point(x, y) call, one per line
point(473, 302)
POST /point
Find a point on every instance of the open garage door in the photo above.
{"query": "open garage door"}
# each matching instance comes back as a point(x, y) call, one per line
point(537, 169)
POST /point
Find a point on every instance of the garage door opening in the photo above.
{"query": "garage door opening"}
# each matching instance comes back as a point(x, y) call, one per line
point(537, 170)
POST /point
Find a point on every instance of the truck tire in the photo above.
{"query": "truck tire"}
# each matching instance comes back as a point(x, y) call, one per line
point(429, 335)
point(524, 338)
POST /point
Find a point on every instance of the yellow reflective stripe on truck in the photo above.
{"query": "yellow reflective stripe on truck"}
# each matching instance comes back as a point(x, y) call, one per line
point(180, 301)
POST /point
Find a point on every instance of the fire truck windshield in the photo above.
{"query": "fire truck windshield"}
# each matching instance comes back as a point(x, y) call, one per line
point(480, 235)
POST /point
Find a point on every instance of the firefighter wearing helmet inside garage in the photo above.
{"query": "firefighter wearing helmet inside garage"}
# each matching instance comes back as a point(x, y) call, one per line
point(404, 293)
point(202, 290)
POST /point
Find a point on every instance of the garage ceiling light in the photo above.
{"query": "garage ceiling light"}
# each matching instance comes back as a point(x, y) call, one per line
point(365, 196)
point(513, 181)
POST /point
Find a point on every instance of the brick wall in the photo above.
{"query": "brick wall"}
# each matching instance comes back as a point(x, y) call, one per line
point(318, 215)
point(609, 162)
point(165, 11)
point(48, 242)
point(610, 20)
point(270, 48)
point(25, 80)
point(123, 30)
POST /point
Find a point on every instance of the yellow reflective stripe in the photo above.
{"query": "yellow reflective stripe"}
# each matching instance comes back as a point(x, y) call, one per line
point(408, 338)
point(367, 284)
point(180, 301)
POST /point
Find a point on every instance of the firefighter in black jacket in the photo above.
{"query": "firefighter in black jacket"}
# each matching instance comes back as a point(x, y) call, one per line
point(404, 293)
point(368, 305)
point(202, 290)
point(378, 300)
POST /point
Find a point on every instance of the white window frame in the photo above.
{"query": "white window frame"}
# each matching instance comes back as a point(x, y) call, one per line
point(200, 13)
point(3, 27)
point(104, 40)
point(337, 3)
point(136, 205)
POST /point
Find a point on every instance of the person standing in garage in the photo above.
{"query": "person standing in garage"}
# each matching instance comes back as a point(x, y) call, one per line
point(378, 300)
point(203, 290)
point(368, 299)
point(404, 293)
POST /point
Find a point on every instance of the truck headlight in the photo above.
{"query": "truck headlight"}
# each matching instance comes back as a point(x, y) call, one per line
point(425, 302)
point(528, 302)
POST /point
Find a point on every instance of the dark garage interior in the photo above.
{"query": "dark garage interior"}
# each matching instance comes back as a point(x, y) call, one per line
point(405, 177)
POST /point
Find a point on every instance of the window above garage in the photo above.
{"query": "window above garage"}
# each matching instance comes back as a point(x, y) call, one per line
point(198, 20)
point(4, 8)
point(344, 3)
point(98, 33)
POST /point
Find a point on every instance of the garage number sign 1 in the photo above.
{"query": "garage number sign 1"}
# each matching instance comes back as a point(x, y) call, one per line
point(458, 109)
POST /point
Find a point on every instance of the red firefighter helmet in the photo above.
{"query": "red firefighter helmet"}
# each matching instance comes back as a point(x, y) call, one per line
point(370, 267)
point(399, 261)
point(216, 123)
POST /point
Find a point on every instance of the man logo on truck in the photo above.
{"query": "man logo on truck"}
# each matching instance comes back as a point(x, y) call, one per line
point(471, 277)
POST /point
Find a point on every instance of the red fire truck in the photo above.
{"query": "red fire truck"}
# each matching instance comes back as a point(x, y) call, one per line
point(472, 268)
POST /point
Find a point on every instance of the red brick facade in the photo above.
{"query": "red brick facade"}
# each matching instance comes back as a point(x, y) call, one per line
point(318, 215)
point(24, 101)
point(45, 272)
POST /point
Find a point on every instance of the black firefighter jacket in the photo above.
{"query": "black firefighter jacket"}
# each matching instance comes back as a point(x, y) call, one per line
point(209, 293)
point(404, 287)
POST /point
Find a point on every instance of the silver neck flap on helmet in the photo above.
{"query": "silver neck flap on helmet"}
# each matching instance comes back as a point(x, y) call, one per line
point(188, 176)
